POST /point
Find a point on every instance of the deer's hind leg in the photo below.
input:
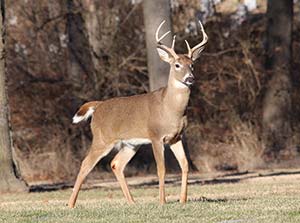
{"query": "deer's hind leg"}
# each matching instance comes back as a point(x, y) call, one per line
point(118, 165)
point(96, 152)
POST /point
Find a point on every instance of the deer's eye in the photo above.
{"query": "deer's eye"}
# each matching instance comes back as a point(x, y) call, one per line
point(177, 65)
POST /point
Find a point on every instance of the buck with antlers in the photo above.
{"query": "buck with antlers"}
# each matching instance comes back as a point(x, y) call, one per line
point(157, 117)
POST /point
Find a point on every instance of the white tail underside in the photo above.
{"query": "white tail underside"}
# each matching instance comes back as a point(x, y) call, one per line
point(79, 118)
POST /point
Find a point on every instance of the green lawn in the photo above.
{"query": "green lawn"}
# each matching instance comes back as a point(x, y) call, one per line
point(266, 199)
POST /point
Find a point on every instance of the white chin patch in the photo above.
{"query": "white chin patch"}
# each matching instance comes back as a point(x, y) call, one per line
point(179, 84)
point(189, 83)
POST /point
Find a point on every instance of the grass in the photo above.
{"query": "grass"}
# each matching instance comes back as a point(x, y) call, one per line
point(267, 199)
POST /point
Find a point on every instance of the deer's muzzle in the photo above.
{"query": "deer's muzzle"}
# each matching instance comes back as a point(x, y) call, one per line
point(189, 80)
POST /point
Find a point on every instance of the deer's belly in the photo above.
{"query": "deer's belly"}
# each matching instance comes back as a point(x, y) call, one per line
point(132, 143)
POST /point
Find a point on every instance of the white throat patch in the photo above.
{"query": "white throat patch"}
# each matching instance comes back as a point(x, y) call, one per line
point(179, 84)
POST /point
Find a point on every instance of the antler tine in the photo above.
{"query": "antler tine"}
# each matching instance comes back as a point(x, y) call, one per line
point(205, 37)
point(203, 42)
point(173, 42)
point(163, 36)
point(157, 31)
point(158, 39)
point(189, 48)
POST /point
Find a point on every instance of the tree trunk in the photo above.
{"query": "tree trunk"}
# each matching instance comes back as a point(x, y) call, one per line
point(277, 101)
point(101, 22)
point(8, 180)
point(78, 46)
point(155, 11)
point(80, 64)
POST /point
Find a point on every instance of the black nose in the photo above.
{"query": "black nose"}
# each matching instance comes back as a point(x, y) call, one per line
point(190, 80)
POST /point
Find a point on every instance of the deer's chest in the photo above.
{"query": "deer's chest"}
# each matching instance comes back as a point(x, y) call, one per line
point(173, 130)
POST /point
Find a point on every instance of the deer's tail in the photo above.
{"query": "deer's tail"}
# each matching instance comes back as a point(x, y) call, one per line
point(85, 111)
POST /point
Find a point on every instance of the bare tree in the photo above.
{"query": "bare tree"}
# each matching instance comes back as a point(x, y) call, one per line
point(8, 180)
point(277, 101)
point(154, 13)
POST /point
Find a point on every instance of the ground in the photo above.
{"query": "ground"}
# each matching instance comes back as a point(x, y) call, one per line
point(272, 196)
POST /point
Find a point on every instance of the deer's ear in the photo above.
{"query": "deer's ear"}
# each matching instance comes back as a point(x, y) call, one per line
point(164, 54)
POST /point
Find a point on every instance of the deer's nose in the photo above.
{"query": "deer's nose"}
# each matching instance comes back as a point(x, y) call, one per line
point(189, 79)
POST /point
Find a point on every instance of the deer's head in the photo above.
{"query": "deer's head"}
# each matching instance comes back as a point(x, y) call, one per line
point(181, 71)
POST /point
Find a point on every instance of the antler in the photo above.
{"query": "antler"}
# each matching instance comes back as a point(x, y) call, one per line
point(159, 39)
point(157, 31)
point(200, 45)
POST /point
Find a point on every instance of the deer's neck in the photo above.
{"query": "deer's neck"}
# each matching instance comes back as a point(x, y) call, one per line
point(176, 97)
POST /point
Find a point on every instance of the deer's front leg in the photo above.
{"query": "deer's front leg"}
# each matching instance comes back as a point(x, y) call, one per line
point(158, 151)
point(179, 153)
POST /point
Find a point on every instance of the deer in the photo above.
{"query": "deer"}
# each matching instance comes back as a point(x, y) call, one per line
point(157, 118)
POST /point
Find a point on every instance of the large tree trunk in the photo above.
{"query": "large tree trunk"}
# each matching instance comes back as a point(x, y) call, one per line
point(8, 180)
point(78, 46)
point(80, 63)
point(100, 22)
point(155, 11)
point(277, 101)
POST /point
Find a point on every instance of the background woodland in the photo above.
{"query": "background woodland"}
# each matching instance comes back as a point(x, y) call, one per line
point(243, 112)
